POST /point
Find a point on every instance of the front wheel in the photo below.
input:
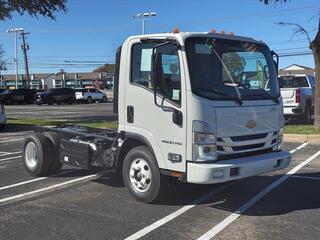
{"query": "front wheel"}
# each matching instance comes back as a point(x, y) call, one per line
point(141, 175)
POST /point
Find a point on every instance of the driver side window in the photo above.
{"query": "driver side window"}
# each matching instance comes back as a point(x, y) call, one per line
point(170, 83)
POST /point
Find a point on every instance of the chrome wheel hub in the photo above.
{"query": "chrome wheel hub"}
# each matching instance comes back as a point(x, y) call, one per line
point(31, 155)
point(140, 175)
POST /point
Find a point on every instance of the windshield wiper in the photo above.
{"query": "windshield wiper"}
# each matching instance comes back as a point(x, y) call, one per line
point(265, 95)
point(225, 95)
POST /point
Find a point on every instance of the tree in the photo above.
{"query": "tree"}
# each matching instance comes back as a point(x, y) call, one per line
point(234, 65)
point(34, 8)
point(2, 61)
point(314, 45)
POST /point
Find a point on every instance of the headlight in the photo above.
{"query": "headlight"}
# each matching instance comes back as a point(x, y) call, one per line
point(204, 142)
point(280, 139)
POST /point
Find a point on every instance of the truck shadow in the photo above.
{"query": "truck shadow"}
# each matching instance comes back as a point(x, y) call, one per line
point(298, 192)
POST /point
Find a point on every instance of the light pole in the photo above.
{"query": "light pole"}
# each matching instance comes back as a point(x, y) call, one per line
point(143, 17)
point(16, 31)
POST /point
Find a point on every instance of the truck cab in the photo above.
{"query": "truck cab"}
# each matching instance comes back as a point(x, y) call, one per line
point(202, 107)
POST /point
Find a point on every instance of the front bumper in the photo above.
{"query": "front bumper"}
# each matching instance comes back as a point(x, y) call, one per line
point(228, 170)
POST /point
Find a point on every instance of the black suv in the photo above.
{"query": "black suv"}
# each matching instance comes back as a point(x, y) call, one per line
point(56, 95)
point(21, 95)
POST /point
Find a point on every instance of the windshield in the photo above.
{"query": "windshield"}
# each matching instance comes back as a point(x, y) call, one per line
point(293, 82)
point(223, 69)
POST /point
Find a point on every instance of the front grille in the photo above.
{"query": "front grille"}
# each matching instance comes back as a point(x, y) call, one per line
point(246, 144)
point(246, 154)
point(249, 137)
point(247, 147)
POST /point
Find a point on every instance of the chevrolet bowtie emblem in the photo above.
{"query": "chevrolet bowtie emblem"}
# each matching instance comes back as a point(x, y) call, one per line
point(251, 124)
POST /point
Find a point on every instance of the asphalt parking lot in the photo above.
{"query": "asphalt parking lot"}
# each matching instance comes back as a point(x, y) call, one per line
point(95, 111)
point(78, 204)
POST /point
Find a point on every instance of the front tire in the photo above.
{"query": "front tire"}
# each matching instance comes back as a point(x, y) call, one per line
point(141, 175)
point(37, 154)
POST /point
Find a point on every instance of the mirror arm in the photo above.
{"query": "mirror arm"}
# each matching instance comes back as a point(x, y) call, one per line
point(274, 54)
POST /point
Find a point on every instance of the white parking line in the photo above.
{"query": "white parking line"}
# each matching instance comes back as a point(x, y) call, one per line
point(175, 214)
point(35, 180)
point(9, 153)
point(182, 210)
point(12, 140)
point(3, 152)
point(299, 147)
point(9, 158)
point(235, 215)
point(306, 177)
point(52, 187)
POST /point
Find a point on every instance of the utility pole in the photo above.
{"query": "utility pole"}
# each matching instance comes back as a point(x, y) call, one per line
point(25, 47)
point(16, 31)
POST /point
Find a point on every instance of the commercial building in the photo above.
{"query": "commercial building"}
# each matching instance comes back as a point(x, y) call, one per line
point(102, 80)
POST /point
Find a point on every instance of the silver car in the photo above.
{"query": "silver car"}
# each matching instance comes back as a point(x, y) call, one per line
point(3, 118)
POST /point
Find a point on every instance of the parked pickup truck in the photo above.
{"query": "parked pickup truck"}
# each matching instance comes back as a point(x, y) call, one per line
point(90, 95)
point(297, 92)
point(187, 109)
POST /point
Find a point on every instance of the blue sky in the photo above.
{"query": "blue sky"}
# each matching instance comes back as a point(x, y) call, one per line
point(91, 30)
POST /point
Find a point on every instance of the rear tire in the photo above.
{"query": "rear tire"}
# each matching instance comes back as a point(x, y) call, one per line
point(141, 175)
point(54, 138)
point(37, 154)
point(306, 117)
point(104, 99)
point(89, 100)
point(50, 101)
point(70, 101)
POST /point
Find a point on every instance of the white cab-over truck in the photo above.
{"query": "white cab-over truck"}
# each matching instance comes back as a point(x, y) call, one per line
point(201, 107)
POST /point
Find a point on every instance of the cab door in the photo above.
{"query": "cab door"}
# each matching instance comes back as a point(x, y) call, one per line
point(162, 122)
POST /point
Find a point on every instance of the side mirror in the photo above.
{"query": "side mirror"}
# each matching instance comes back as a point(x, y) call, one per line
point(275, 57)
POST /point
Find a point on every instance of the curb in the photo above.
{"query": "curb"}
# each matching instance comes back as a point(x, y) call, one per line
point(310, 138)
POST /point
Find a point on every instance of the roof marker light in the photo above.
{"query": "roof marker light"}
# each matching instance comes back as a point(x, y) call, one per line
point(175, 30)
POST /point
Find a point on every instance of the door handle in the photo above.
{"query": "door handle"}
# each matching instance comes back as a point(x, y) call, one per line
point(130, 114)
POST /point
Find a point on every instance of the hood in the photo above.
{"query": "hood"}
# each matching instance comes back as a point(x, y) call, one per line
point(246, 120)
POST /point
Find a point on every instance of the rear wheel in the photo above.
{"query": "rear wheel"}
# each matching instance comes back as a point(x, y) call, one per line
point(89, 100)
point(70, 100)
point(141, 175)
point(307, 116)
point(37, 154)
point(54, 138)
point(104, 99)
point(51, 101)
